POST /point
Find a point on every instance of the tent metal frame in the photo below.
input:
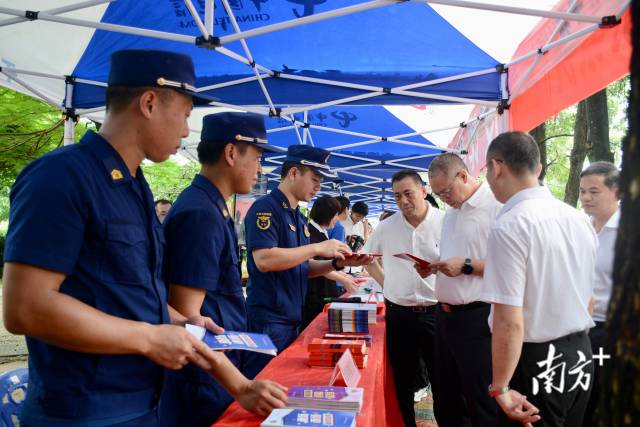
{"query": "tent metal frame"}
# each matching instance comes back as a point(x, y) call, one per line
point(261, 73)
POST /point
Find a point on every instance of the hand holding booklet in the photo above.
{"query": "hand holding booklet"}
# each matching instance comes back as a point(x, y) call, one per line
point(232, 340)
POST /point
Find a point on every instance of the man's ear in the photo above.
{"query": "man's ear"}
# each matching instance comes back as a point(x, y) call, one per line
point(496, 167)
point(464, 175)
point(230, 154)
point(538, 170)
point(147, 103)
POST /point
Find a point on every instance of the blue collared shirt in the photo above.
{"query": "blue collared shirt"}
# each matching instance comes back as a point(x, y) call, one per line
point(78, 211)
point(202, 252)
point(276, 296)
point(337, 232)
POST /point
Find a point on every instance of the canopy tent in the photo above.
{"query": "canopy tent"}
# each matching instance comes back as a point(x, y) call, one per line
point(279, 58)
point(558, 64)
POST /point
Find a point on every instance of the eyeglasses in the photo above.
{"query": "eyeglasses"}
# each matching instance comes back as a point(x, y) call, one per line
point(448, 190)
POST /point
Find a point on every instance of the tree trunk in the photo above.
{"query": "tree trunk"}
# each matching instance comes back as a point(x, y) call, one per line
point(598, 127)
point(620, 400)
point(578, 154)
point(540, 135)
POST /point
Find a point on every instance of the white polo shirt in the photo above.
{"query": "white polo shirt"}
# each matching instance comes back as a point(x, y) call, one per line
point(604, 267)
point(541, 257)
point(402, 284)
point(351, 229)
point(464, 235)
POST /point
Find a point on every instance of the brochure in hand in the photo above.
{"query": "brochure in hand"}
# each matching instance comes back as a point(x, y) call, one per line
point(414, 259)
point(232, 340)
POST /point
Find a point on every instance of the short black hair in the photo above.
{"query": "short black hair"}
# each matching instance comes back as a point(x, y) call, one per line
point(518, 150)
point(286, 167)
point(386, 214)
point(163, 202)
point(407, 173)
point(209, 154)
point(118, 98)
point(324, 209)
point(344, 201)
point(608, 170)
point(447, 163)
point(360, 208)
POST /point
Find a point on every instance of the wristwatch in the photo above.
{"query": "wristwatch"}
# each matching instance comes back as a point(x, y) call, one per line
point(467, 268)
point(334, 264)
point(495, 392)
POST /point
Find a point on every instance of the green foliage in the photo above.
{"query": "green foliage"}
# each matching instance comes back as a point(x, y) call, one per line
point(168, 179)
point(28, 129)
point(559, 130)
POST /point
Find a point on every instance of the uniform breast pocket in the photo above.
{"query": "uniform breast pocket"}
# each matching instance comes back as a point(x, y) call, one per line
point(126, 255)
point(231, 283)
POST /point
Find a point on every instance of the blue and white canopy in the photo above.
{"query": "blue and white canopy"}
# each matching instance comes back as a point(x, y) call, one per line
point(333, 73)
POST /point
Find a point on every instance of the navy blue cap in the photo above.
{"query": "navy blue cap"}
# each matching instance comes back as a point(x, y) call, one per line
point(313, 157)
point(223, 128)
point(155, 68)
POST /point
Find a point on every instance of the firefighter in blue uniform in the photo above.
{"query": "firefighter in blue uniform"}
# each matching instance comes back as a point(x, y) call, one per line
point(83, 260)
point(279, 254)
point(202, 264)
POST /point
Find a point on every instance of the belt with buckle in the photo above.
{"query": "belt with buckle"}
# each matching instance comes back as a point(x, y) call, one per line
point(450, 308)
point(413, 308)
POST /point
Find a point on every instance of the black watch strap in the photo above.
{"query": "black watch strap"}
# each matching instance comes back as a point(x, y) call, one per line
point(334, 264)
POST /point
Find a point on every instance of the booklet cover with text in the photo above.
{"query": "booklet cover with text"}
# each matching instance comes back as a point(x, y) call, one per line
point(233, 340)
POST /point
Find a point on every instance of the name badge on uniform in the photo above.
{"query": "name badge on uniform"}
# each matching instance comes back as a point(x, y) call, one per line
point(292, 227)
point(116, 175)
point(306, 231)
point(264, 220)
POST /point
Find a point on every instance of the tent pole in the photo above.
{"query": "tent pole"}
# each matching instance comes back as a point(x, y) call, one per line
point(305, 132)
point(57, 11)
point(516, 10)
point(32, 73)
point(208, 16)
point(533, 65)
point(32, 90)
point(70, 119)
point(196, 19)
point(566, 39)
point(623, 9)
point(247, 52)
point(231, 83)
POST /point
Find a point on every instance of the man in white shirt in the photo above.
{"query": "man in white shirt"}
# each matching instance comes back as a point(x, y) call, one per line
point(599, 198)
point(356, 223)
point(463, 339)
point(410, 299)
point(539, 275)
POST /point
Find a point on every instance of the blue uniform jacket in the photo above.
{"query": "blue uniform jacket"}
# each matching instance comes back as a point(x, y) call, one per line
point(202, 252)
point(276, 296)
point(78, 211)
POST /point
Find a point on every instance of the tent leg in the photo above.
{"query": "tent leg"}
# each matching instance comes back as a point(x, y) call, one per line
point(69, 131)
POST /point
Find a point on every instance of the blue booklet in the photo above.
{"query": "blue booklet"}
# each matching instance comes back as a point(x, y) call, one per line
point(232, 340)
point(309, 418)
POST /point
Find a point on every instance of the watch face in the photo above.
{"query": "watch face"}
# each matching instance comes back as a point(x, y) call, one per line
point(467, 269)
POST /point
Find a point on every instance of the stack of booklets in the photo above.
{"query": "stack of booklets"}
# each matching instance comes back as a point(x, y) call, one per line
point(351, 317)
point(341, 337)
point(309, 418)
point(326, 397)
point(327, 352)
